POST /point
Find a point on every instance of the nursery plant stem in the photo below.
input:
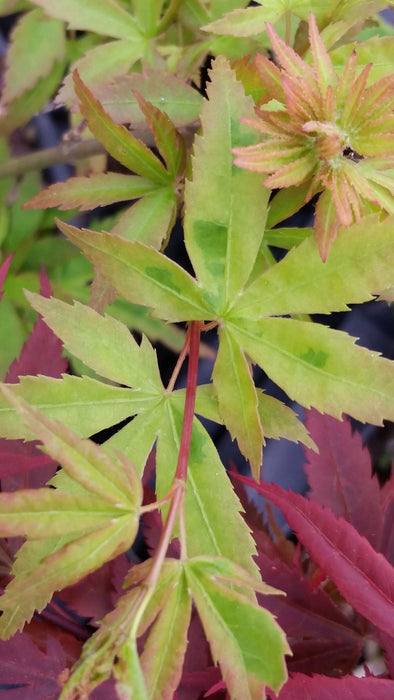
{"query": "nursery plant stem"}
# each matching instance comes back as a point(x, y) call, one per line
point(179, 484)
point(194, 345)
point(65, 152)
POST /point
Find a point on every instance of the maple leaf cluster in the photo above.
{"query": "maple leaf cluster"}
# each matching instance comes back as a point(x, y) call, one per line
point(332, 134)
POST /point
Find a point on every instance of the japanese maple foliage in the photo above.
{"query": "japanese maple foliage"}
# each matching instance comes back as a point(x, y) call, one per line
point(343, 512)
point(132, 565)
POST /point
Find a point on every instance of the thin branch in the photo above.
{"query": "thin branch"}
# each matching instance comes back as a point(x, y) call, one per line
point(71, 151)
point(65, 152)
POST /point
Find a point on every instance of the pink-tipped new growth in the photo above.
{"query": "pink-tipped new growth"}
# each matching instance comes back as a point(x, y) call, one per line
point(332, 132)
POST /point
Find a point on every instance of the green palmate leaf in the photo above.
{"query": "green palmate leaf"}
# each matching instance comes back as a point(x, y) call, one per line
point(168, 140)
point(237, 398)
point(90, 192)
point(321, 367)
point(285, 203)
point(105, 17)
point(12, 329)
point(23, 225)
point(148, 15)
point(87, 525)
point(102, 343)
point(244, 638)
point(36, 512)
point(243, 22)
point(142, 275)
point(118, 141)
point(103, 63)
point(251, 21)
point(278, 420)
point(358, 265)
point(219, 7)
point(177, 99)
point(82, 404)
point(137, 438)
point(287, 237)
point(223, 232)
point(89, 521)
point(209, 492)
point(150, 220)
point(64, 567)
point(36, 44)
point(86, 463)
point(138, 317)
point(22, 108)
point(378, 51)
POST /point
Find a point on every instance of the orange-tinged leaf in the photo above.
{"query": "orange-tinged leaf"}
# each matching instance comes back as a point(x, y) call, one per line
point(377, 100)
point(323, 67)
point(354, 100)
point(292, 174)
point(118, 141)
point(270, 76)
point(169, 142)
point(32, 590)
point(302, 99)
point(287, 57)
point(142, 275)
point(90, 192)
point(162, 89)
point(346, 79)
point(326, 223)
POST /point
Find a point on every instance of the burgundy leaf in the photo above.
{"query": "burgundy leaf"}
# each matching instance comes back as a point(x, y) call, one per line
point(362, 575)
point(42, 352)
point(198, 674)
point(35, 672)
point(17, 456)
point(22, 465)
point(325, 688)
point(4, 267)
point(387, 499)
point(340, 476)
point(387, 543)
point(96, 594)
point(387, 642)
point(321, 637)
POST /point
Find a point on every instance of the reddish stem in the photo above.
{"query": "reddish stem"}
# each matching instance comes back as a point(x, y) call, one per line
point(192, 372)
point(179, 363)
point(179, 485)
